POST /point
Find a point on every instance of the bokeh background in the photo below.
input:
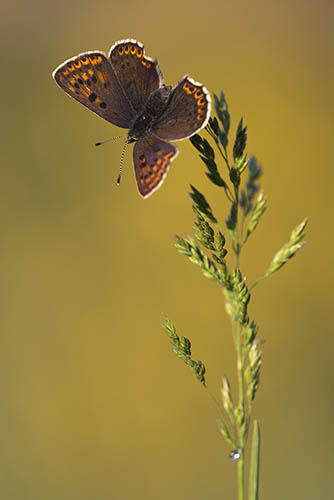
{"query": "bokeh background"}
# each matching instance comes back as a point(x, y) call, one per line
point(94, 405)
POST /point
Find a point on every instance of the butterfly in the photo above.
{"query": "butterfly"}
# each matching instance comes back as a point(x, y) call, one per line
point(126, 89)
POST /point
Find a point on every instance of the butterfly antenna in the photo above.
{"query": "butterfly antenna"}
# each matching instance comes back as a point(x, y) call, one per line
point(108, 140)
point(121, 162)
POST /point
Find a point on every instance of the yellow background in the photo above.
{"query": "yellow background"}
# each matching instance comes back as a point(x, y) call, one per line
point(94, 405)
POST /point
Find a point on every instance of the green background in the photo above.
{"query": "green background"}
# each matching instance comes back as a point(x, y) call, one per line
point(94, 405)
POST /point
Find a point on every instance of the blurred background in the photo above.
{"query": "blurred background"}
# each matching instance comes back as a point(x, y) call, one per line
point(94, 405)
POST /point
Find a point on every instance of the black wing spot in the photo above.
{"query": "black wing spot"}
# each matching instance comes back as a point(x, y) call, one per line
point(77, 86)
point(80, 81)
point(94, 79)
point(103, 105)
point(92, 97)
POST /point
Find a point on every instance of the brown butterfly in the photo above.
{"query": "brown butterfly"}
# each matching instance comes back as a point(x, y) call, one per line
point(127, 90)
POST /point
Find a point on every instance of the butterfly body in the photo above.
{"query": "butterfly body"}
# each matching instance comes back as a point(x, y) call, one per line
point(126, 89)
point(156, 104)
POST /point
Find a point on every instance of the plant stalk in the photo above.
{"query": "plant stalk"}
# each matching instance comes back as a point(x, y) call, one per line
point(241, 480)
point(241, 412)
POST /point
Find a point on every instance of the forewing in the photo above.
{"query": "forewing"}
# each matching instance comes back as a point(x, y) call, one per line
point(152, 157)
point(90, 79)
point(139, 75)
point(187, 112)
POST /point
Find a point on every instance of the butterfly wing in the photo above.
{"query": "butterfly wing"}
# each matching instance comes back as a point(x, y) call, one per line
point(152, 157)
point(187, 112)
point(138, 75)
point(90, 79)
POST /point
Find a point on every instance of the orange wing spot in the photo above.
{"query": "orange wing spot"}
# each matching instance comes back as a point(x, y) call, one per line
point(139, 52)
point(90, 72)
point(133, 50)
point(166, 158)
point(126, 49)
point(65, 72)
point(77, 64)
point(101, 76)
point(169, 155)
point(198, 94)
point(71, 88)
point(147, 64)
point(188, 89)
point(199, 117)
point(72, 81)
point(121, 51)
point(201, 101)
point(85, 61)
point(95, 60)
point(155, 167)
point(71, 67)
point(84, 92)
point(84, 76)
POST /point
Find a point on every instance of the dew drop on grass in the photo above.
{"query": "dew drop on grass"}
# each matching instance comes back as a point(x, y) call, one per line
point(235, 454)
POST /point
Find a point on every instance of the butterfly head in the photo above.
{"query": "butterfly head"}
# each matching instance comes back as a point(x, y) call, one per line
point(141, 125)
